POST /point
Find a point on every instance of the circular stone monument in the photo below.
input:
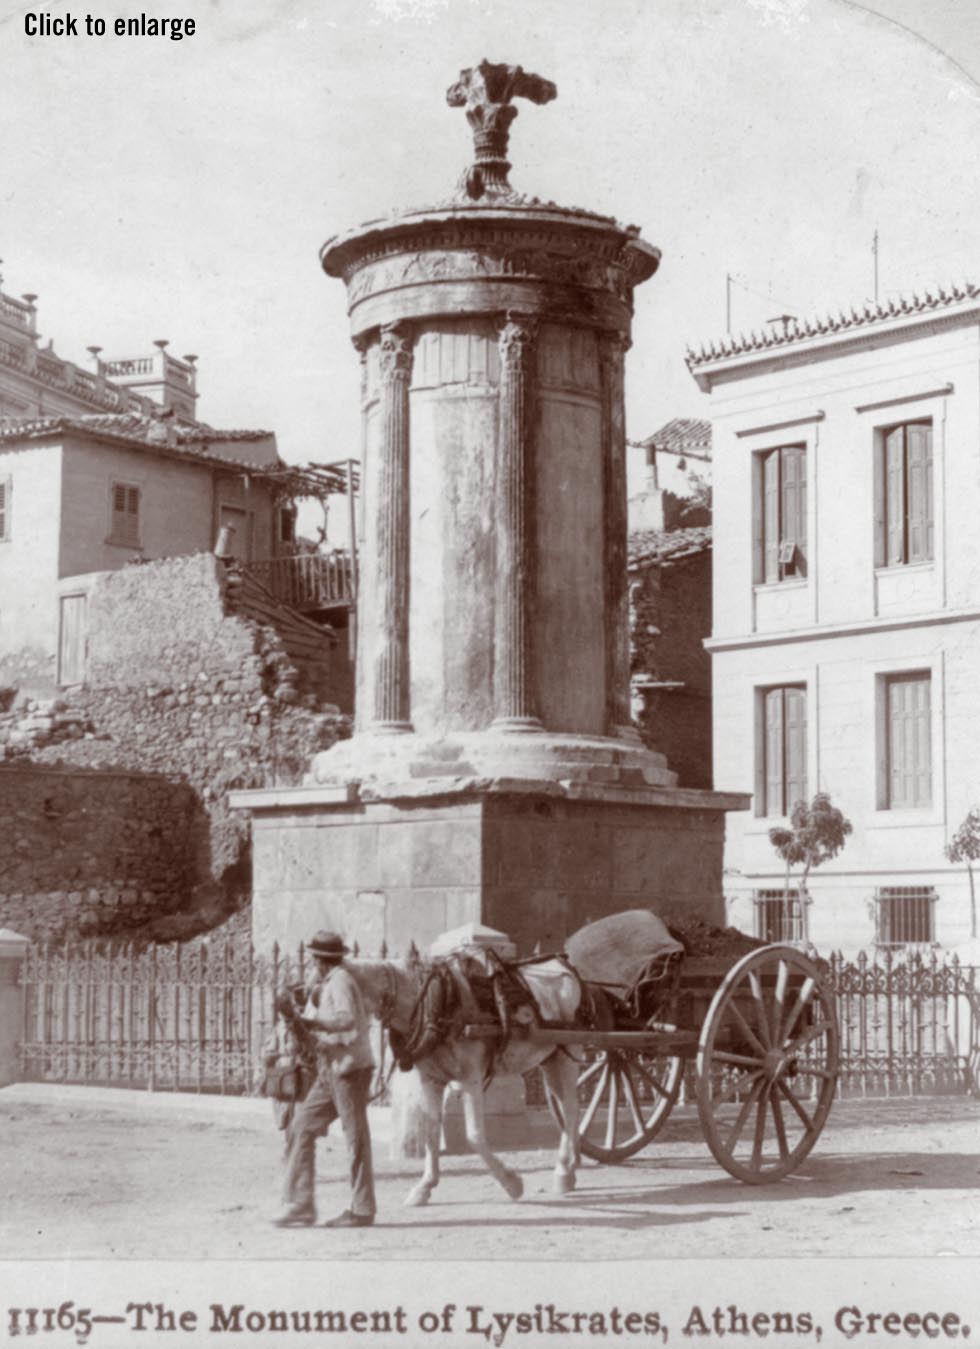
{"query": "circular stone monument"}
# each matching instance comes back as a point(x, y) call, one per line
point(492, 616)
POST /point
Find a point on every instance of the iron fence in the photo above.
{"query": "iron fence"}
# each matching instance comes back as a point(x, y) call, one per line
point(195, 1017)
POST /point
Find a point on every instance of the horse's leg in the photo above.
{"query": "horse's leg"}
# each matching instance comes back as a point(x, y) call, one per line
point(421, 1191)
point(476, 1136)
point(561, 1077)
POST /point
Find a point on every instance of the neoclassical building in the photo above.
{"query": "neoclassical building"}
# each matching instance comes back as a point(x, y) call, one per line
point(846, 630)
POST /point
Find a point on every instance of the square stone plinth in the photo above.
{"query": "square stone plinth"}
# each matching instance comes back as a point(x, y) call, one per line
point(535, 860)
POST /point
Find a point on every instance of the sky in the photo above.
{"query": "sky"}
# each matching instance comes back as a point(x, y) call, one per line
point(182, 190)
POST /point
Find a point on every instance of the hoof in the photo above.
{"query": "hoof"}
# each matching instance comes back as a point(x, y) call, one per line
point(564, 1182)
point(513, 1184)
point(418, 1197)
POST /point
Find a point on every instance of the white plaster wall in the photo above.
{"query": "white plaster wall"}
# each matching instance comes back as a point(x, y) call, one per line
point(848, 625)
point(29, 558)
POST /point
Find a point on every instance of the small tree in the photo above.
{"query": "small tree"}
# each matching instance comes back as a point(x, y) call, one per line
point(817, 833)
point(964, 846)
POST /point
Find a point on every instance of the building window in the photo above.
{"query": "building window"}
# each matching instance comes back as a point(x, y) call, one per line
point(778, 916)
point(903, 495)
point(287, 524)
point(780, 514)
point(781, 750)
point(6, 490)
point(908, 740)
point(125, 522)
point(905, 914)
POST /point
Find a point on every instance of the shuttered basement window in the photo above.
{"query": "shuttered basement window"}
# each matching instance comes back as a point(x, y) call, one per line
point(906, 914)
point(777, 916)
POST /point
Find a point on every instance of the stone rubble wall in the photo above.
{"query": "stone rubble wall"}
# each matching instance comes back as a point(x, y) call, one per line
point(187, 688)
point(83, 848)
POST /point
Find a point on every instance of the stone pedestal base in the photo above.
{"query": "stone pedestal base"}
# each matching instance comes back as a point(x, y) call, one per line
point(534, 859)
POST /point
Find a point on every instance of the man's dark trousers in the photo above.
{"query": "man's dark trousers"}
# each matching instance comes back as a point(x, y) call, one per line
point(351, 1093)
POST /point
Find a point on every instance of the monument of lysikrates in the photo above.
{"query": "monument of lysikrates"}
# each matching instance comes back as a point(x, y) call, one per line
point(493, 776)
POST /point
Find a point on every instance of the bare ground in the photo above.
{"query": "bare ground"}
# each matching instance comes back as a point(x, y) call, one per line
point(111, 1174)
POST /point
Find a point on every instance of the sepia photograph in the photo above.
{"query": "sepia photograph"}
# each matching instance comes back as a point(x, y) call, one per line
point(490, 672)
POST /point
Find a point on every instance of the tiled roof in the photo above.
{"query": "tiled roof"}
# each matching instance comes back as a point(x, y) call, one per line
point(143, 432)
point(683, 435)
point(668, 545)
point(795, 330)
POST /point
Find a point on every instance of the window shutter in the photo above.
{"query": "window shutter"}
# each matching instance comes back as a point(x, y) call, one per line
point(917, 456)
point(775, 798)
point(758, 520)
point(5, 488)
point(901, 743)
point(795, 746)
point(881, 533)
point(895, 494)
point(919, 693)
point(118, 499)
point(793, 532)
point(770, 512)
point(133, 501)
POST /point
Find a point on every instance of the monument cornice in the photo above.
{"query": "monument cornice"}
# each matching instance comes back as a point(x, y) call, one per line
point(491, 249)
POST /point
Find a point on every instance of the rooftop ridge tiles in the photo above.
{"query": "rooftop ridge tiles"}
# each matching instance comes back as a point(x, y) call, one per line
point(718, 348)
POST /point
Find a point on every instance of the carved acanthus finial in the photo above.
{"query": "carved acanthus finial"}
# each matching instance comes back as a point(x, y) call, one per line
point(485, 91)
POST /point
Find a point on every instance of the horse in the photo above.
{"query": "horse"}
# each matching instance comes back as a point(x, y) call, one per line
point(391, 990)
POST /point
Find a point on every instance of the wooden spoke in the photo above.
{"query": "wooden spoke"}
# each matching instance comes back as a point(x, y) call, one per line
point(808, 1036)
point(780, 1123)
point(760, 1003)
point(613, 1114)
point(589, 1073)
point(593, 1105)
point(632, 1102)
point(746, 1029)
point(806, 993)
point(779, 1002)
point(739, 1060)
point(736, 1129)
point(759, 1137)
point(791, 1097)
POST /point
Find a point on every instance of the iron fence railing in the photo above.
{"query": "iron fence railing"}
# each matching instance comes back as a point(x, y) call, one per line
point(195, 1017)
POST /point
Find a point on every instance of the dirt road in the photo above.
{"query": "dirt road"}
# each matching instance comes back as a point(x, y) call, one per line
point(114, 1174)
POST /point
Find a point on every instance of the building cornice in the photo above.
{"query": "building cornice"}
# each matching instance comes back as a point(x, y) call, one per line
point(820, 339)
point(828, 631)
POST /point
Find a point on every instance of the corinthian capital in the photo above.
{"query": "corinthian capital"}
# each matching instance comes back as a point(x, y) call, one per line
point(396, 352)
point(516, 341)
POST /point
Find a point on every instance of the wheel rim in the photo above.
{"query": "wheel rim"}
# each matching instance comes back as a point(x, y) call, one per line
point(767, 1065)
point(624, 1100)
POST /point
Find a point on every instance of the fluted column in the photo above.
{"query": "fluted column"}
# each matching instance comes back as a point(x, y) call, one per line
point(612, 349)
point(514, 701)
point(391, 706)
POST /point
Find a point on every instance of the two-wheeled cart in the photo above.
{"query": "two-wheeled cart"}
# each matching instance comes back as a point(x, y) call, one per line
point(762, 1032)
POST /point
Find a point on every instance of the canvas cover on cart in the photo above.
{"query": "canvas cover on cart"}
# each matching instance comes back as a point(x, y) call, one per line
point(621, 948)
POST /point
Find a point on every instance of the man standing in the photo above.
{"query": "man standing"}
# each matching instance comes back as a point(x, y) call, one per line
point(345, 1064)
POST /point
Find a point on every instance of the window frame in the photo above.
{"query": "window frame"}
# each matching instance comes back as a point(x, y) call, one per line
point(894, 544)
point(764, 780)
point(780, 554)
point(887, 681)
point(123, 539)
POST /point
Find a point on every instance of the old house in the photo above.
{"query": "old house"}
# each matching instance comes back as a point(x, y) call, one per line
point(846, 631)
point(87, 494)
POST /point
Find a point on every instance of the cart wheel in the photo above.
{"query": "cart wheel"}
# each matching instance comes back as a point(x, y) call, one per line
point(767, 1064)
point(625, 1098)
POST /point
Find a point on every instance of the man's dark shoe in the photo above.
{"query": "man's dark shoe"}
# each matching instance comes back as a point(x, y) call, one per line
point(348, 1219)
point(295, 1218)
